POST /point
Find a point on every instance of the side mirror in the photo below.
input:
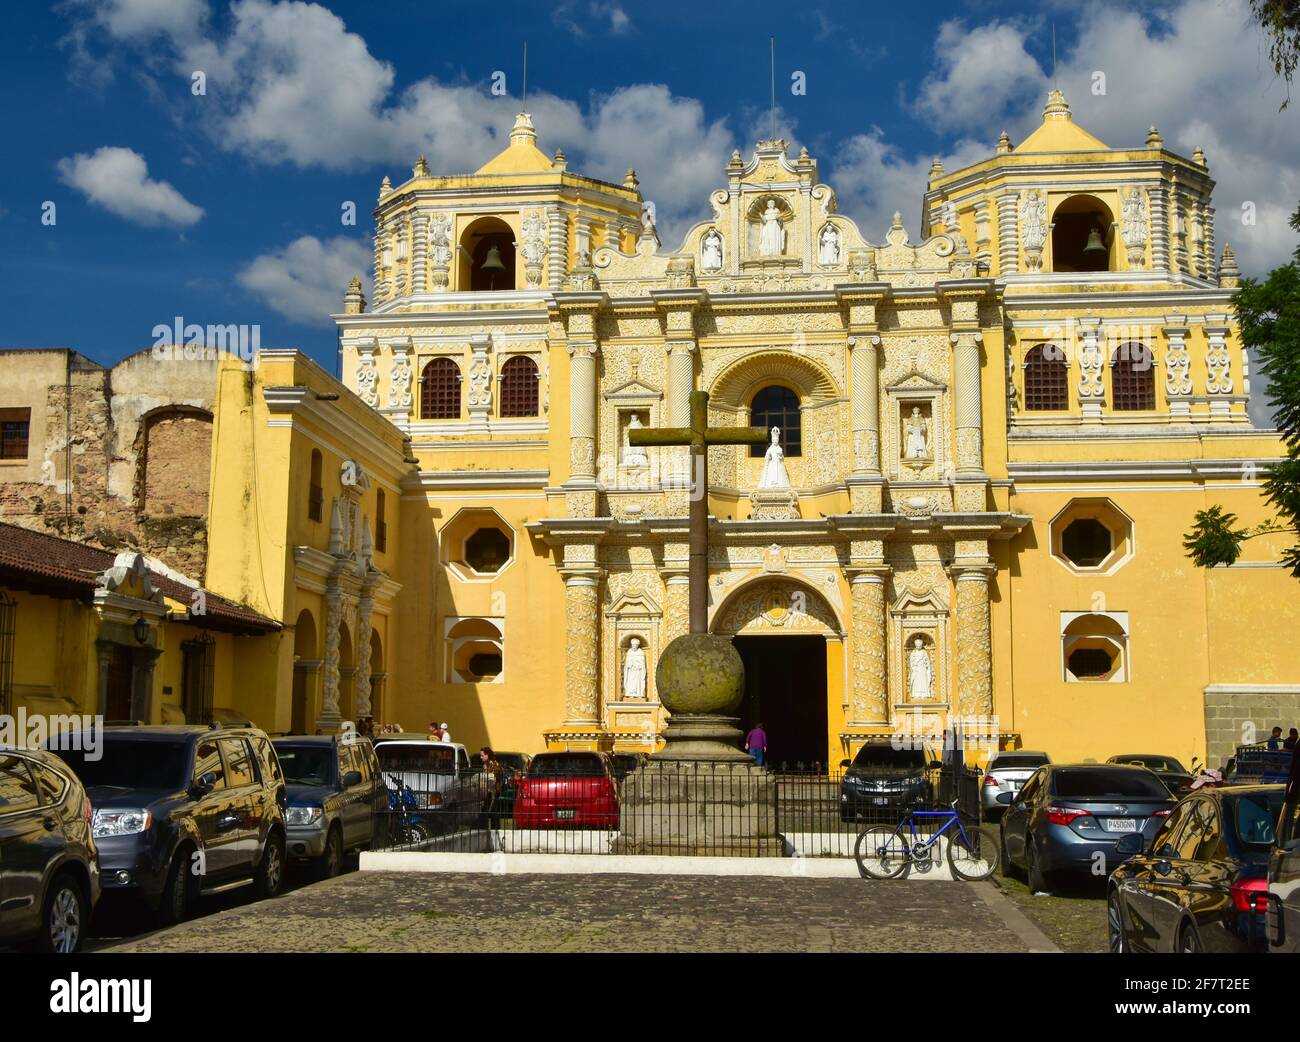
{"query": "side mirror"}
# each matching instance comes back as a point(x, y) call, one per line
point(934, 765)
point(206, 783)
point(351, 778)
point(1164, 867)
point(845, 763)
point(1130, 845)
point(1005, 798)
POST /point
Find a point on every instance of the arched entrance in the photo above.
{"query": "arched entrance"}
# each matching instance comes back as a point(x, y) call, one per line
point(306, 670)
point(790, 641)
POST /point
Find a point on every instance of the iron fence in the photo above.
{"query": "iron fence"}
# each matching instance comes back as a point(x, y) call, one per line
point(666, 808)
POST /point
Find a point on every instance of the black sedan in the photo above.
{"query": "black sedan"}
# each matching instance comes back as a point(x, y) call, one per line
point(1071, 818)
point(1201, 883)
point(1176, 777)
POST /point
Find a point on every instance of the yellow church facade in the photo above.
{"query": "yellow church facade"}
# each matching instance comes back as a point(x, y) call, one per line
point(993, 440)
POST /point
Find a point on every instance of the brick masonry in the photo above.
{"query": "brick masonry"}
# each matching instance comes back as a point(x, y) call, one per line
point(1240, 713)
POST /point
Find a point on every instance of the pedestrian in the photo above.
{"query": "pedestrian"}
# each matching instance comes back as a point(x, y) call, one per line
point(446, 732)
point(1291, 740)
point(491, 782)
point(1275, 739)
point(756, 743)
point(435, 732)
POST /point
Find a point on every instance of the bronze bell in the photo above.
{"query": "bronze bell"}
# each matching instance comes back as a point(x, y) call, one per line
point(492, 262)
point(1094, 245)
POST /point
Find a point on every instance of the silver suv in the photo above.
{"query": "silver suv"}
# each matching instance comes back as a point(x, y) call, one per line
point(1007, 772)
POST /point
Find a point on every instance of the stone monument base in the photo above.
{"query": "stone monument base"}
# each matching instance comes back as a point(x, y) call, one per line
point(702, 738)
point(699, 809)
point(773, 504)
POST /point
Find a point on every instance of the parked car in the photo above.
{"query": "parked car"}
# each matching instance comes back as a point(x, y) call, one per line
point(1201, 883)
point(1007, 772)
point(567, 790)
point(49, 875)
point(1259, 765)
point(884, 780)
point(184, 810)
point(337, 799)
point(1177, 778)
point(1284, 870)
point(440, 777)
point(1069, 815)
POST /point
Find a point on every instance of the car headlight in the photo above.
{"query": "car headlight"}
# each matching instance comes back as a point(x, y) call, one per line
point(120, 822)
point(302, 815)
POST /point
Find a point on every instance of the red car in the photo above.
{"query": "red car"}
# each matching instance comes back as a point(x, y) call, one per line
point(567, 790)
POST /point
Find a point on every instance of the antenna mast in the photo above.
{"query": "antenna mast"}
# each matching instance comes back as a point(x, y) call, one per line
point(772, 42)
point(524, 100)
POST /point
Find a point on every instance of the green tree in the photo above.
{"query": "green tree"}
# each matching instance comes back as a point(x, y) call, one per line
point(1280, 20)
point(1269, 315)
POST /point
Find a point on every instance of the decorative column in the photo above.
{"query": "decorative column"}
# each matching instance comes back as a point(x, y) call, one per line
point(581, 649)
point(870, 700)
point(1178, 364)
point(582, 410)
point(1218, 366)
point(968, 413)
point(974, 641)
point(361, 654)
point(557, 254)
point(1008, 235)
point(582, 238)
point(1180, 226)
point(367, 371)
point(1092, 370)
point(329, 719)
point(381, 288)
point(419, 253)
point(864, 402)
point(1159, 230)
point(399, 400)
point(479, 398)
point(677, 606)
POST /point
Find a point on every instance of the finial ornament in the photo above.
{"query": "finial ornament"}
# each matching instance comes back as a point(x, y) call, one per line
point(421, 168)
point(1004, 143)
point(1229, 273)
point(1154, 140)
point(1056, 107)
point(630, 181)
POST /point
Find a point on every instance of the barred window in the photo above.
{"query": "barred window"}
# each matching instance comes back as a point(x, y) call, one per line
point(777, 406)
point(440, 390)
point(15, 426)
point(198, 661)
point(1046, 380)
point(1132, 377)
point(316, 491)
point(519, 387)
point(381, 525)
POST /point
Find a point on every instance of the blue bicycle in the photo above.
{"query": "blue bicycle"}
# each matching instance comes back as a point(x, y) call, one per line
point(884, 853)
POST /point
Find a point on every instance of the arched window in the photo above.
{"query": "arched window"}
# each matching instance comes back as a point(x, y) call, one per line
point(381, 525)
point(777, 406)
point(1132, 377)
point(440, 390)
point(487, 256)
point(1081, 235)
point(1046, 381)
point(519, 387)
point(316, 491)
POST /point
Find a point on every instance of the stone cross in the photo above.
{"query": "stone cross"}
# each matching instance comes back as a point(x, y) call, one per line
point(699, 436)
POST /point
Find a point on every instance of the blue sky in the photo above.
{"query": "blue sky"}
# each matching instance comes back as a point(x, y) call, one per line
point(225, 207)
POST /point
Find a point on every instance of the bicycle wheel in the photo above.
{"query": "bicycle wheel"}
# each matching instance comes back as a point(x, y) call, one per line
point(880, 853)
point(974, 859)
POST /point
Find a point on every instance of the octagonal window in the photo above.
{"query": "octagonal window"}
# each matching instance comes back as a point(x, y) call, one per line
point(477, 544)
point(487, 550)
point(1094, 647)
point(1091, 663)
point(1092, 535)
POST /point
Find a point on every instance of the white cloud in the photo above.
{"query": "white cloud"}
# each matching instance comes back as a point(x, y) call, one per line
point(305, 280)
point(182, 20)
point(981, 71)
point(118, 180)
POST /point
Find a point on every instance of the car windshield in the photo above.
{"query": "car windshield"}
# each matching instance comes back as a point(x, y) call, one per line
point(306, 764)
point(127, 763)
point(431, 759)
point(566, 765)
point(1254, 815)
point(878, 756)
point(1098, 783)
point(1159, 764)
point(1018, 761)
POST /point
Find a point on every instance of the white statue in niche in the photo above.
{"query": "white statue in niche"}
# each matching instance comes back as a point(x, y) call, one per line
point(920, 672)
point(774, 473)
point(711, 251)
point(916, 444)
point(634, 671)
point(634, 455)
point(828, 252)
point(771, 241)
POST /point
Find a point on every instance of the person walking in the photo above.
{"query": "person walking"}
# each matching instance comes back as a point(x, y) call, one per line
point(446, 731)
point(1275, 740)
point(756, 743)
point(1291, 740)
point(490, 773)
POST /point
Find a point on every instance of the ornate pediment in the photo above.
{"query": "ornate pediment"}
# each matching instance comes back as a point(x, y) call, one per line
point(633, 390)
point(915, 380)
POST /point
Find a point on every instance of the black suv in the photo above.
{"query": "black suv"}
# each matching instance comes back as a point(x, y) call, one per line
point(49, 881)
point(185, 810)
point(883, 781)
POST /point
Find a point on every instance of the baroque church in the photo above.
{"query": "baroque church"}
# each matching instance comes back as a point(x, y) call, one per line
point(992, 436)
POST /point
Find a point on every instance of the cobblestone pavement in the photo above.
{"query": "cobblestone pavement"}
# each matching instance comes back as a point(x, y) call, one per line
point(408, 912)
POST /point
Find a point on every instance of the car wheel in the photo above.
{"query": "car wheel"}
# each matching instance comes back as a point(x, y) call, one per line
point(1189, 940)
point(331, 860)
point(178, 893)
point(1038, 881)
point(64, 918)
point(1115, 929)
point(270, 870)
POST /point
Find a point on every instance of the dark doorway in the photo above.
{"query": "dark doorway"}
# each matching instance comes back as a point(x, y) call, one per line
point(785, 688)
point(121, 681)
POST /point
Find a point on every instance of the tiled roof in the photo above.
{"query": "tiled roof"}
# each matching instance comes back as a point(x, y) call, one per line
point(44, 563)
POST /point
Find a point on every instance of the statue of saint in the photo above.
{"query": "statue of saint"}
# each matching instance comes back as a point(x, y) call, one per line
point(917, 443)
point(634, 671)
point(829, 246)
point(711, 251)
point(920, 673)
point(634, 455)
point(771, 242)
point(774, 475)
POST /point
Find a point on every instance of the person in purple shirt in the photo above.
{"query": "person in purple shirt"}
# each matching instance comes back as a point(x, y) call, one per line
point(756, 743)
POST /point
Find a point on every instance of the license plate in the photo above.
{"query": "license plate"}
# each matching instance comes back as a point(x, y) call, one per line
point(565, 814)
point(1121, 825)
point(880, 801)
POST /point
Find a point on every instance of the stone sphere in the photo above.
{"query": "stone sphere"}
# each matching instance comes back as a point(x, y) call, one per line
point(700, 673)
